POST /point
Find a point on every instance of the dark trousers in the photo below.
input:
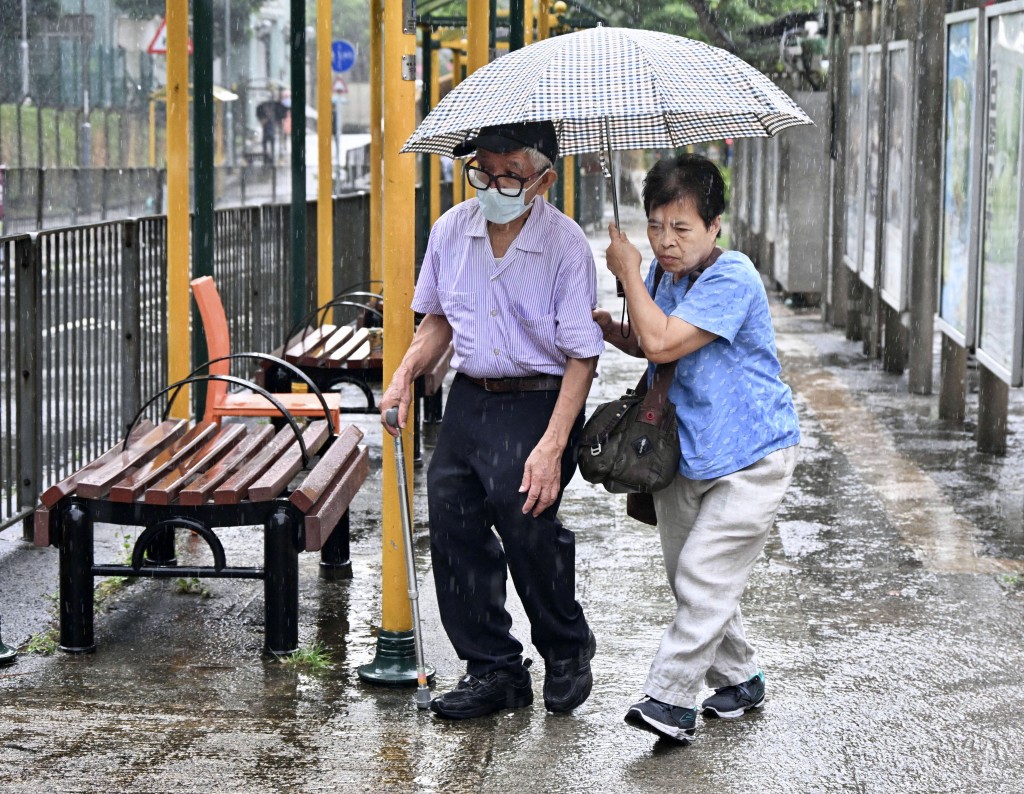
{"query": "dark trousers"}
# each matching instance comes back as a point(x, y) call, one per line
point(473, 492)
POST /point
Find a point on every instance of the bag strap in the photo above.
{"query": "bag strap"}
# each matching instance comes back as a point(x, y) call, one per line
point(657, 394)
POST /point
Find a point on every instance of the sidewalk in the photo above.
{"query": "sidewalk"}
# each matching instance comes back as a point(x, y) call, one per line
point(886, 609)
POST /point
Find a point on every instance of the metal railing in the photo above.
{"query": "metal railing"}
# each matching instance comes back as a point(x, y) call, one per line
point(83, 326)
point(33, 199)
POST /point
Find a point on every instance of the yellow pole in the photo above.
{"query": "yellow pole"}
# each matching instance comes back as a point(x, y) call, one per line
point(477, 29)
point(152, 134)
point(218, 109)
point(398, 254)
point(528, 22)
point(324, 201)
point(178, 336)
point(435, 97)
point(569, 186)
point(458, 183)
point(544, 20)
point(376, 85)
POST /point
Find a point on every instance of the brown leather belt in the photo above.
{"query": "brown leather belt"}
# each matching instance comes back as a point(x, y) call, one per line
point(530, 383)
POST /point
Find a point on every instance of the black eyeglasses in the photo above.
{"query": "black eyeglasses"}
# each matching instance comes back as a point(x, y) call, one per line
point(507, 184)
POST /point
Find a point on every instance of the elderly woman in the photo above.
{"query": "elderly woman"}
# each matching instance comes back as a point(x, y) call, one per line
point(738, 432)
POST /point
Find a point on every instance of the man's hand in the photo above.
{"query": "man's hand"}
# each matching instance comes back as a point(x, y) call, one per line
point(542, 478)
point(397, 395)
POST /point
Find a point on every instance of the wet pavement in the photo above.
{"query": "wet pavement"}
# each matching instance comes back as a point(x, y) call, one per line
point(886, 608)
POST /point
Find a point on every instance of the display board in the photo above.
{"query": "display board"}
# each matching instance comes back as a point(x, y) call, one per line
point(961, 179)
point(873, 86)
point(1000, 302)
point(896, 236)
point(854, 161)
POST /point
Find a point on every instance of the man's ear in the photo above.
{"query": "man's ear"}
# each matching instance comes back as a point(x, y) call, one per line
point(547, 181)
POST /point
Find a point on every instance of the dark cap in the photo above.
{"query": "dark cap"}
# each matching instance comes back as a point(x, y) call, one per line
point(502, 138)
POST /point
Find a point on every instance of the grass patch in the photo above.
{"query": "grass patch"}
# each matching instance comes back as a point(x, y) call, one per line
point(44, 643)
point(1012, 581)
point(314, 659)
point(191, 586)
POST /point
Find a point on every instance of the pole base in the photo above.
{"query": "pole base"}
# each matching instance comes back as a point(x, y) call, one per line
point(395, 661)
point(334, 571)
point(7, 654)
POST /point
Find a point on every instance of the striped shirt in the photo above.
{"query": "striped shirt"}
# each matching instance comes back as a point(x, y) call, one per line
point(526, 315)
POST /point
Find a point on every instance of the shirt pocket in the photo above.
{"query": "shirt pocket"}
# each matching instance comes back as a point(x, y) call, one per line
point(532, 342)
point(459, 309)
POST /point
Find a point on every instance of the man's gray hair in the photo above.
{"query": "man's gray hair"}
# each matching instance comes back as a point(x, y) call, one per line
point(539, 161)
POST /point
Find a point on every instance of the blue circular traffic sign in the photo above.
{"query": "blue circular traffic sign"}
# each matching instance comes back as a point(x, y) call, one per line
point(343, 55)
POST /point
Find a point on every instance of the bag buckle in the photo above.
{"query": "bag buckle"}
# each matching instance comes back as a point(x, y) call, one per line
point(596, 449)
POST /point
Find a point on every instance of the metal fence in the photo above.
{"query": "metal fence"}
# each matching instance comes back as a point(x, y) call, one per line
point(83, 326)
point(33, 199)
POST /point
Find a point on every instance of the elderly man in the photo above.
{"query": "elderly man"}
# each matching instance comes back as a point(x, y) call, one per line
point(512, 281)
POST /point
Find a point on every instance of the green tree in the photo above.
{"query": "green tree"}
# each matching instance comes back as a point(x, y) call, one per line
point(722, 23)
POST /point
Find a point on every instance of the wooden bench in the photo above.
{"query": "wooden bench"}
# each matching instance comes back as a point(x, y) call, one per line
point(171, 476)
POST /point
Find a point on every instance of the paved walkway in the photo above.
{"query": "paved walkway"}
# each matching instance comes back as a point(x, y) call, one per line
point(886, 609)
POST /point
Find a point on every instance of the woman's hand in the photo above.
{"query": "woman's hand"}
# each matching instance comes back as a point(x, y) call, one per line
point(622, 257)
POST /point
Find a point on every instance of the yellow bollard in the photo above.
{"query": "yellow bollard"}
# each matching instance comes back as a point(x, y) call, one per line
point(178, 243)
point(395, 659)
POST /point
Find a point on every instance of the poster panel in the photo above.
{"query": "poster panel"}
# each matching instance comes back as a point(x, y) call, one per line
point(873, 84)
point(897, 184)
point(960, 172)
point(855, 159)
point(999, 332)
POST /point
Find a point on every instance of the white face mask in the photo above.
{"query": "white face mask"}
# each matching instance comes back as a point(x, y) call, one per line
point(504, 209)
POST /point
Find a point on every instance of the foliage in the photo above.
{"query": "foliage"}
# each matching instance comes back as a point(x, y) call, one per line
point(723, 23)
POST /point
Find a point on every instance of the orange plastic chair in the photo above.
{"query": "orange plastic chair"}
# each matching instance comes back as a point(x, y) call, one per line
point(219, 402)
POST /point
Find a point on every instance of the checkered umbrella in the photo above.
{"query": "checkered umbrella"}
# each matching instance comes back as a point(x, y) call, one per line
point(613, 88)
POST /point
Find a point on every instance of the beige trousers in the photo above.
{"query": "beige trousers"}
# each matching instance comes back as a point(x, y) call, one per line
point(712, 532)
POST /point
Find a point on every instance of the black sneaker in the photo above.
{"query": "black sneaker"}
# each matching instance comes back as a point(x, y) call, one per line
point(674, 722)
point(734, 701)
point(567, 683)
point(508, 688)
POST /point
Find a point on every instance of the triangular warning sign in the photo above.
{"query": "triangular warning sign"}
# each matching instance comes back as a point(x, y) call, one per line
point(158, 46)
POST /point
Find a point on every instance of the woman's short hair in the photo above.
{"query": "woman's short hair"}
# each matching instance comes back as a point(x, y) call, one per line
point(686, 176)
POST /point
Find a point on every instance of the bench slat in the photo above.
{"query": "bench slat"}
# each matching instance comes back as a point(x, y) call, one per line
point(287, 465)
point(55, 493)
point(233, 490)
point(351, 349)
point(332, 506)
point(95, 483)
point(135, 482)
point(317, 481)
point(336, 339)
point(303, 342)
point(198, 491)
point(166, 490)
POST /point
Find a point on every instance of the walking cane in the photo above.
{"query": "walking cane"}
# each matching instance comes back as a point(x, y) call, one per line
point(422, 691)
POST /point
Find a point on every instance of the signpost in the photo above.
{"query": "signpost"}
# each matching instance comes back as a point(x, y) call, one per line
point(343, 56)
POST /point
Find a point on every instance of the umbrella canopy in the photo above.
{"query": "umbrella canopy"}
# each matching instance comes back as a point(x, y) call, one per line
point(613, 88)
